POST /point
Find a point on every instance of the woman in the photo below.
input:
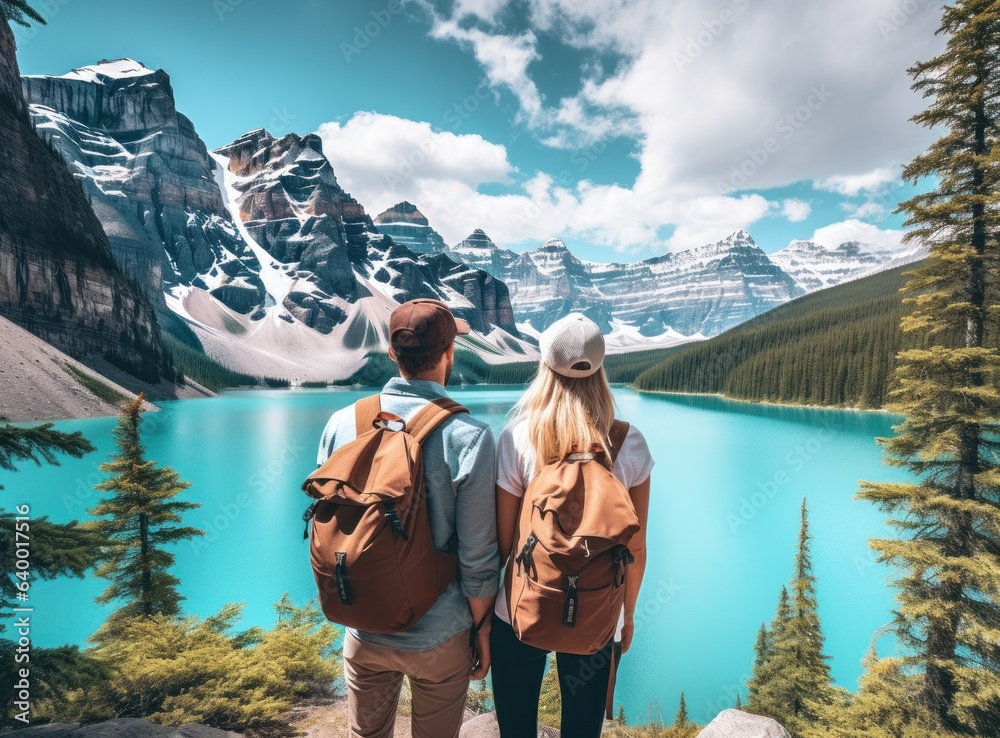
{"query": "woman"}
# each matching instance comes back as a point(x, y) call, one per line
point(567, 408)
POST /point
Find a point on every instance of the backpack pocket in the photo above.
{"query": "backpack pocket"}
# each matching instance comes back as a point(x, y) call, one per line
point(566, 619)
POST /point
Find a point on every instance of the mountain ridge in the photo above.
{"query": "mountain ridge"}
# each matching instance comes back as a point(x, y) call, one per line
point(255, 247)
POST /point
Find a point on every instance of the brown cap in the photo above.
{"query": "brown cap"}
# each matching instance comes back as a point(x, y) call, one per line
point(424, 326)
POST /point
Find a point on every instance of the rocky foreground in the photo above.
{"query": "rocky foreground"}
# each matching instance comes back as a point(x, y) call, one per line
point(727, 724)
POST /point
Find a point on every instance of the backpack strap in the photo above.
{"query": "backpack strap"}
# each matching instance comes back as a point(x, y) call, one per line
point(366, 411)
point(431, 416)
point(616, 437)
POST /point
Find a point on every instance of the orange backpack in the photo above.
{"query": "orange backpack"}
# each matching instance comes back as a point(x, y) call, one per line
point(566, 578)
point(372, 552)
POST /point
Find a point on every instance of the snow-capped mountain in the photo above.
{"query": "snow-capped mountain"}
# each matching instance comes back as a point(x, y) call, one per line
point(277, 270)
point(695, 293)
point(149, 176)
point(477, 250)
point(550, 282)
point(408, 226)
point(814, 267)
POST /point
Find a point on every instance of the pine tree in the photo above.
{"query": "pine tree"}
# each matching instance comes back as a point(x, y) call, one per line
point(763, 649)
point(620, 715)
point(39, 445)
point(140, 518)
point(803, 632)
point(57, 549)
point(18, 11)
point(681, 719)
point(791, 676)
point(948, 614)
point(739, 703)
point(770, 686)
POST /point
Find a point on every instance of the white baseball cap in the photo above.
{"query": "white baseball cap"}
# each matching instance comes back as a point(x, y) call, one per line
point(573, 346)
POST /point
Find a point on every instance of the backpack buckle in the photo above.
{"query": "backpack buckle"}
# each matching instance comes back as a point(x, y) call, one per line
point(394, 522)
point(307, 516)
point(389, 422)
point(622, 556)
point(524, 559)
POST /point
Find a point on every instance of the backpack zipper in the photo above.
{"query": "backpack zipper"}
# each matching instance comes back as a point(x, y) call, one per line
point(343, 581)
point(570, 604)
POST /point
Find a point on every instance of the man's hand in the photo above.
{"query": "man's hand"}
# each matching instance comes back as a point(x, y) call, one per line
point(481, 656)
point(628, 630)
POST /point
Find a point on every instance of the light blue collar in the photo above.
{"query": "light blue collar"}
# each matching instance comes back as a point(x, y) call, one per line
point(422, 388)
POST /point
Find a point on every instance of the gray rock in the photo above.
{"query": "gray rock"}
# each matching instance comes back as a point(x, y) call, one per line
point(123, 728)
point(738, 724)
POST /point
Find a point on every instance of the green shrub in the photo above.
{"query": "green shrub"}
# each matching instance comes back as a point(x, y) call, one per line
point(179, 670)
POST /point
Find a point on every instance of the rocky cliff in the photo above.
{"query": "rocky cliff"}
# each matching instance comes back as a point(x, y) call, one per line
point(149, 176)
point(478, 250)
point(58, 278)
point(292, 207)
point(255, 247)
point(408, 226)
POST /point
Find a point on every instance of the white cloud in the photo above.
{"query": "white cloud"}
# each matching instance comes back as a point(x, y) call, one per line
point(705, 84)
point(382, 159)
point(795, 210)
point(868, 209)
point(702, 86)
point(385, 159)
point(852, 185)
point(505, 59)
point(833, 235)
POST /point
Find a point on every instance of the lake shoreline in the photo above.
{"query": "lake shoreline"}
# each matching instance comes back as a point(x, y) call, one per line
point(108, 411)
point(727, 398)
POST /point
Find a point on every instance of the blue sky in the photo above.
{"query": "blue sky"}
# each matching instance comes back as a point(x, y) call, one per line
point(620, 126)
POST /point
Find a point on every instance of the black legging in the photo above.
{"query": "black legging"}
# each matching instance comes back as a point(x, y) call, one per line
point(517, 683)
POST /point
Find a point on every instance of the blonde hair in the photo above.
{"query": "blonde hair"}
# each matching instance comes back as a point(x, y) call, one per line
point(564, 414)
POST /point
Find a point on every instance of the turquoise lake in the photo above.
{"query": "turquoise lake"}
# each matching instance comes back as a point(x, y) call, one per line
point(723, 524)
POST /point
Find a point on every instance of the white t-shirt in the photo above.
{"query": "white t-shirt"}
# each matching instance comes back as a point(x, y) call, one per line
point(516, 468)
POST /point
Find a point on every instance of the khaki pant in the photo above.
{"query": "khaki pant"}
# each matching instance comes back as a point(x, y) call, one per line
point(439, 682)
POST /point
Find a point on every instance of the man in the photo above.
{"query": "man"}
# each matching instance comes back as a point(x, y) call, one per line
point(460, 477)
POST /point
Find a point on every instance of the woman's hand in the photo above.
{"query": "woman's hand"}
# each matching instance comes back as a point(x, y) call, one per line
point(628, 631)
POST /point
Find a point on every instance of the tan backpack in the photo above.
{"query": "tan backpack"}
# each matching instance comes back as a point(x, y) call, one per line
point(372, 552)
point(566, 578)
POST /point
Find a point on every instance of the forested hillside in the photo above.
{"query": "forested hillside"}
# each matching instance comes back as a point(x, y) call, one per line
point(833, 347)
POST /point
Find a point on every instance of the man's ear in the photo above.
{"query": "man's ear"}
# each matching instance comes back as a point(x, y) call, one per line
point(392, 353)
